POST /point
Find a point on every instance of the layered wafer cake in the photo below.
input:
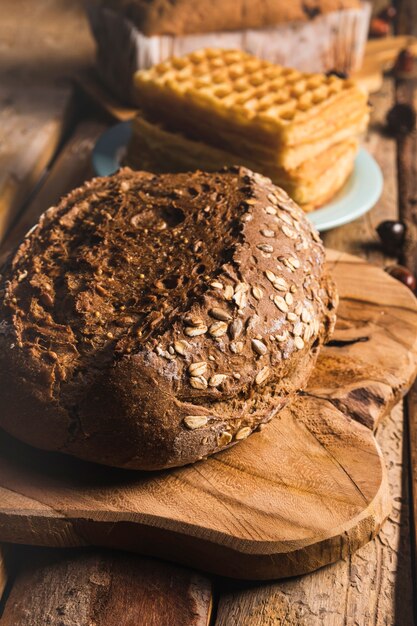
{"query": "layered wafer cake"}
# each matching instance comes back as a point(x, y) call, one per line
point(218, 107)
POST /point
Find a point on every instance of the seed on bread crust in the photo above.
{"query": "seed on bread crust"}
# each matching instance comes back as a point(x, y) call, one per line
point(281, 304)
point(265, 247)
point(216, 380)
point(280, 283)
point(181, 347)
point(286, 218)
point(235, 328)
point(195, 421)
point(298, 329)
point(299, 343)
point(243, 433)
point(271, 276)
point(292, 260)
point(237, 347)
point(257, 292)
point(192, 320)
point(305, 316)
point(259, 347)
point(218, 329)
point(198, 382)
point(195, 331)
point(267, 232)
point(262, 376)
point(224, 439)
point(288, 232)
point(220, 314)
point(198, 368)
point(282, 337)
point(228, 292)
point(240, 298)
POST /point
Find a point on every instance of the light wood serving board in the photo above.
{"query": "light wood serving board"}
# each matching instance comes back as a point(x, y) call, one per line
point(307, 490)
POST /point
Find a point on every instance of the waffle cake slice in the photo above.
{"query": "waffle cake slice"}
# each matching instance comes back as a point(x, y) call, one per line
point(245, 105)
point(156, 149)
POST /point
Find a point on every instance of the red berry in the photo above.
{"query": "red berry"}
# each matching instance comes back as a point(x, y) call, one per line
point(405, 62)
point(401, 119)
point(402, 274)
point(379, 28)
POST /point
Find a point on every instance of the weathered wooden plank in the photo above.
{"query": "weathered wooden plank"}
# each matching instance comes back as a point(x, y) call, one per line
point(43, 41)
point(29, 137)
point(35, 92)
point(406, 20)
point(64, 588)
point(374, 587)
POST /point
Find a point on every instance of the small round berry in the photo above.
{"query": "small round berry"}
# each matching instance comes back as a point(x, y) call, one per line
point(402, 274)
point(392, 235)
point(401, 119)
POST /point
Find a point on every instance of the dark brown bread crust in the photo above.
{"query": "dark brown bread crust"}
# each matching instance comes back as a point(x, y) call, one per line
point(180, 17)
point(149, 321)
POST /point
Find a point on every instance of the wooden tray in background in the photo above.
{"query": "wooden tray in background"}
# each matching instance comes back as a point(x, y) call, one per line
point(306, 491)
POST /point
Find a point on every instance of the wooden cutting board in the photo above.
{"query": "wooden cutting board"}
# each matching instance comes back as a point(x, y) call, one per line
point(307, 490)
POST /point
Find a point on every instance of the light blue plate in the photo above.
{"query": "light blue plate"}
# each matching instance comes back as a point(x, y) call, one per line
point(110, 149)
point(359, 194)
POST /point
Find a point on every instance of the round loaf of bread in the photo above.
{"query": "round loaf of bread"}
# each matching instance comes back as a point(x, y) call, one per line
point(149, 321)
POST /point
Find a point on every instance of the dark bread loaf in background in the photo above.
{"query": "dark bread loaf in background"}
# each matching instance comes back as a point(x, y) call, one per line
point(149, 321)
point(179, 17)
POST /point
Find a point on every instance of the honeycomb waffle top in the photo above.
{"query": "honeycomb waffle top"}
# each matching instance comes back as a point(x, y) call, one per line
point(148, 321)
point(180, 17)
point(237, 100)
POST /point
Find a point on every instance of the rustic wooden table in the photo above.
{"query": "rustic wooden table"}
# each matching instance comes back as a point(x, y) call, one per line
point(47, 131)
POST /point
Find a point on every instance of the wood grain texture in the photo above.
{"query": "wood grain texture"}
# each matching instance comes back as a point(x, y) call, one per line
point(68, 588)
point(40, 47)
point(308, 490)
point(28, 146)
point(44, 42)
point(372, 587)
